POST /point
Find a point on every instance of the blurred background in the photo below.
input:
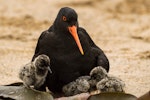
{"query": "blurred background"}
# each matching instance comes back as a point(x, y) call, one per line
point(119, 27)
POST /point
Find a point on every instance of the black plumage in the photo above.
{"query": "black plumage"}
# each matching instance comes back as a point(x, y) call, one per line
point(71, 50)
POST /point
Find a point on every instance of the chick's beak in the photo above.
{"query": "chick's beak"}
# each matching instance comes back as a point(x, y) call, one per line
point(49, 69)
point(73, 31)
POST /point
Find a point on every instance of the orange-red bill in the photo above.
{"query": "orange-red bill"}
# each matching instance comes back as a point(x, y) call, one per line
point(73, 31)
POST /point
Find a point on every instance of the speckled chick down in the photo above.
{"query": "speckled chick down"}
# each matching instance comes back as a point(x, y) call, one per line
point(80, 85)
point(34, 73)
point(98, 79)
point(105, 82)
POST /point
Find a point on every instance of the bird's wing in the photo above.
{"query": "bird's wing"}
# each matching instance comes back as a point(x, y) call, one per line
point(102, 60)
point(38, 44)
point(92, 44)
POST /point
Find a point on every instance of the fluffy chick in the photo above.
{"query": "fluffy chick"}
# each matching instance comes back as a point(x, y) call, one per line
point(104, 82)
point(27, 74)
point(98, 80)
point(80, 85)
point(34, 73)
point(110, 84)
point(97, 74)
point(83, 84)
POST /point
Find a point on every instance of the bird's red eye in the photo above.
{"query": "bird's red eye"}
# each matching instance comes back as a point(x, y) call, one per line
point(64, 18)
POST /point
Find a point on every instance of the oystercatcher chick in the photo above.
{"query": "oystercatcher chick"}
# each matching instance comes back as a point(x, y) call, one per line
point(98, 80)
point(97, 74)
point(101, 80)
point(111, 84)
point(80, 85)
point(34, 73)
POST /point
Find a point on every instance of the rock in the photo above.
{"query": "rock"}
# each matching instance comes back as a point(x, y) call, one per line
point(112, 96)
point(22, 93)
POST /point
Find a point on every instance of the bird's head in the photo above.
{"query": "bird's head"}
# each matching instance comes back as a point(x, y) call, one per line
point(43, 62)
point(98, 73)
point(67, 22)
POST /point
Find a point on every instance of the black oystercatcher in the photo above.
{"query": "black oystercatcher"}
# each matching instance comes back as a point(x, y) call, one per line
point(34, 73)
point(71, 50)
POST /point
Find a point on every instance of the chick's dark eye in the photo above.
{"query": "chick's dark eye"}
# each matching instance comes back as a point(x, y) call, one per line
point(64, 18)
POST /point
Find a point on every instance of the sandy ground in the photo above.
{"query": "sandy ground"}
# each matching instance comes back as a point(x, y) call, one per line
point(120, 27)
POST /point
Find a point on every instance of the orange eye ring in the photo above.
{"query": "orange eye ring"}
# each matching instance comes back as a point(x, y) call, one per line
point(64, 18)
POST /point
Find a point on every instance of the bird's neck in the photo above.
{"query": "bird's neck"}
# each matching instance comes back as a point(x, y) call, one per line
point(41, 71)
point(60, 30)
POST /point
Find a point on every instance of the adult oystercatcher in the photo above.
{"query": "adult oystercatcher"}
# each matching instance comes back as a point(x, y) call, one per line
point(71, 50)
